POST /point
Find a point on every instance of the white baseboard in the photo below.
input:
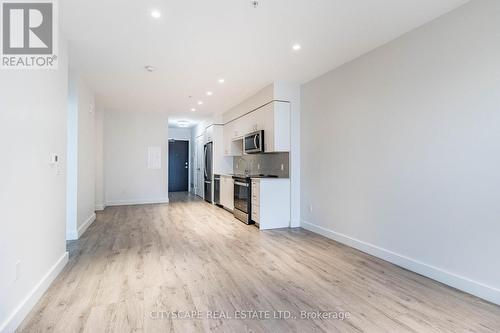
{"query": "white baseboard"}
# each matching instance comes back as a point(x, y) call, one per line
point(22, 310)
point(99, 207)
point(136, 202)
point(86, 224)
point(462, 283)
point(73, 235)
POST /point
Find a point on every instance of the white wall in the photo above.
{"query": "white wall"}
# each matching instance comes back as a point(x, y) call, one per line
point(99, 159)
point(33, 113)
point(127, 136)
point(81, 158)
point(185, 134)
point(401, 151)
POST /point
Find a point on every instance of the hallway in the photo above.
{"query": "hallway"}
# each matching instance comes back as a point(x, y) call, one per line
point(137, 264)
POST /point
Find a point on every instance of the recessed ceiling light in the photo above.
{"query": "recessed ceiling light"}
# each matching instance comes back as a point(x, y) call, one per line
point(222, 81)
point(150, 68)
point(183, 123)
point(200, 102)
point(296, 47)
point(209, 93)
point(155, 14)
point(193, 110)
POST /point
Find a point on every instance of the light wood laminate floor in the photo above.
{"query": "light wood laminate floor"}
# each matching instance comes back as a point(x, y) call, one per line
point(135, 264)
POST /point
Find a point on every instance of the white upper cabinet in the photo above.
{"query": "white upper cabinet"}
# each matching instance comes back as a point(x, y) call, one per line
point(227, 137)
point(275, 122)
point(273, 119)
point(233, 145)
point(209, 134)
point(238, 129)
point(222, 164)
point(251, 122)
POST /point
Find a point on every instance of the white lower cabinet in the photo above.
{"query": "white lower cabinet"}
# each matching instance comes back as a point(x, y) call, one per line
point(256, 214)
point(227, 192)
point(271, 203)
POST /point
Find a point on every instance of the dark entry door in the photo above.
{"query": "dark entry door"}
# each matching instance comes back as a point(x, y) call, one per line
point(178, 166)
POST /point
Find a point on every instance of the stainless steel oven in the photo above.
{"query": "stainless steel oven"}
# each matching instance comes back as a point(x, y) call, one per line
point(242, 197)
point(254, 143)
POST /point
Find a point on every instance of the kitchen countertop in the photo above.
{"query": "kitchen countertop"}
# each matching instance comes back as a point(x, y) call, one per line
point(253, 176)
point(257, 176)
point(263, 177)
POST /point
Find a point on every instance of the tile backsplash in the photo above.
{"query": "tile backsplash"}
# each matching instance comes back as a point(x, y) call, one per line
point(268, 164)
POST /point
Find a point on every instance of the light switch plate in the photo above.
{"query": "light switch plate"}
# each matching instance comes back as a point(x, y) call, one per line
point(54, 158)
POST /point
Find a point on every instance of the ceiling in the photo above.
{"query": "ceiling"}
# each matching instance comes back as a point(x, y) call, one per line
point(196, 42)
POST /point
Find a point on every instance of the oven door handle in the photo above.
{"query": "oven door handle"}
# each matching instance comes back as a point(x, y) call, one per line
point(241, 184)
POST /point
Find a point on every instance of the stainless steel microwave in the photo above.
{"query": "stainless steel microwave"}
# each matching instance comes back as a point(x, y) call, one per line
point(254, 143)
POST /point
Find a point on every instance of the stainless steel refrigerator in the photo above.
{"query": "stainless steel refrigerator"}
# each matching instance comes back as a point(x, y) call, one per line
point(208, 152)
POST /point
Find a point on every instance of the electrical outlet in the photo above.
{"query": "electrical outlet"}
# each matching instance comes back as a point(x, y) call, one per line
point(258, 166)
point(310, 208)
point(282, 167)
point(18, 270)
point(55, 163)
